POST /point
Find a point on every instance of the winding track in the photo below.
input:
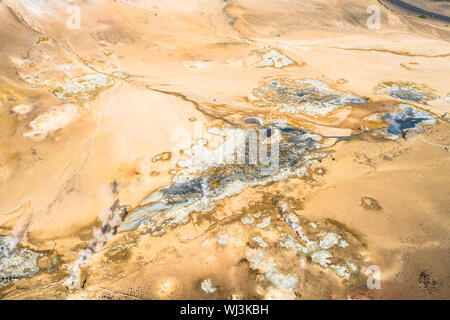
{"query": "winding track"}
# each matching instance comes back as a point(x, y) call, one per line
point(418, 10)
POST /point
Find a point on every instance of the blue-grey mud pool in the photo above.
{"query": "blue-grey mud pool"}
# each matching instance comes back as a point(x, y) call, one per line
point(223, 150)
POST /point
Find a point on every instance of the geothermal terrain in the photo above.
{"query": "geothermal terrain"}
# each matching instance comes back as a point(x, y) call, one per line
point(236, 149)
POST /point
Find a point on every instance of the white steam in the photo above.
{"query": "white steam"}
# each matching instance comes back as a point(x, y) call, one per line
point(111, 220)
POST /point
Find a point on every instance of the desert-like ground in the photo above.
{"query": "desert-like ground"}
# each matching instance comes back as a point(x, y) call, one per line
point(121, 125)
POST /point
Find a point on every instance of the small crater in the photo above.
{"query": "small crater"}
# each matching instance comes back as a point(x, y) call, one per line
point(165, 156)
point(319, 171)
point(369, 203)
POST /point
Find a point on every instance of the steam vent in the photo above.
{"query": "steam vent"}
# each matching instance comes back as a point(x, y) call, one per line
point(224, 150)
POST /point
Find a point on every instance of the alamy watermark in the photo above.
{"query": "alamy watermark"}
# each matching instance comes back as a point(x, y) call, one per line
point(374, 279)
point(258, 147)
point(73, 22)
point(374, 20)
